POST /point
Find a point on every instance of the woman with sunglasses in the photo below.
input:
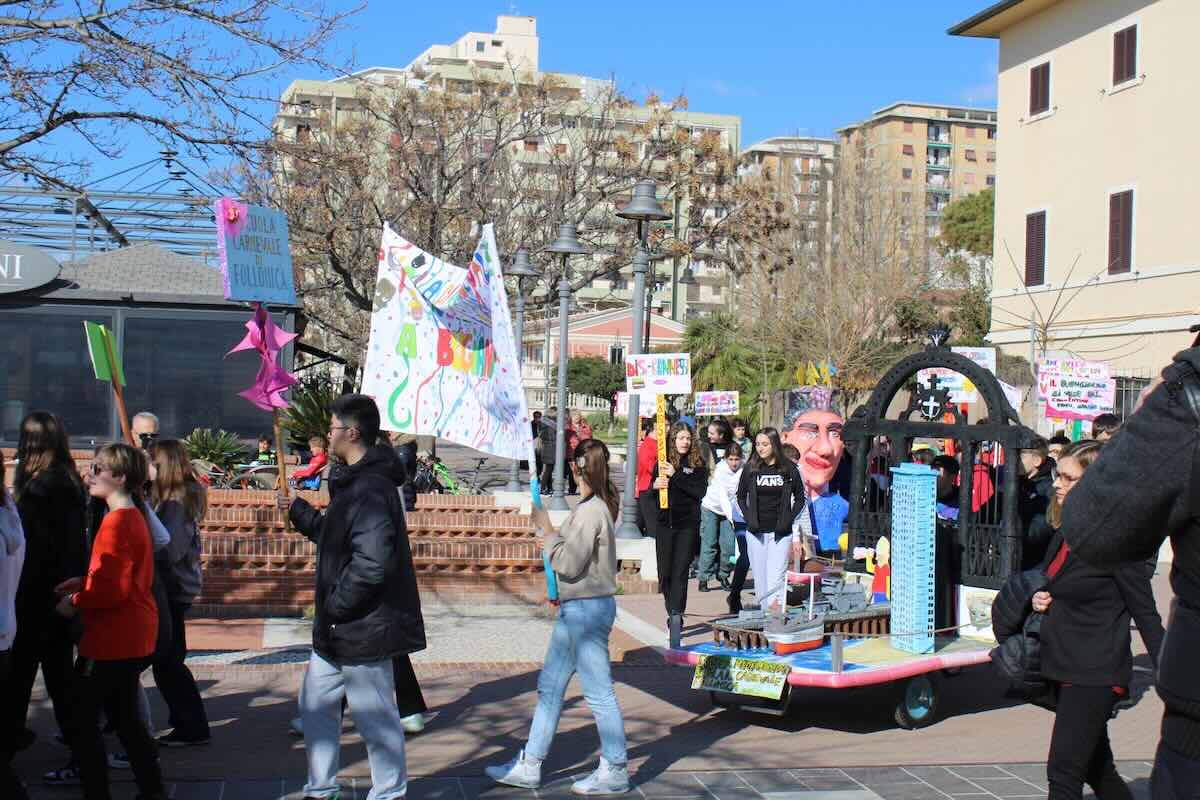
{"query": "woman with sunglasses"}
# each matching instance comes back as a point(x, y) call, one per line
point(50, 502)
point(120, 620)
point(583, 555)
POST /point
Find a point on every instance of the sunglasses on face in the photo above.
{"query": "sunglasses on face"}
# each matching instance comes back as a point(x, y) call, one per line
point(98, 469)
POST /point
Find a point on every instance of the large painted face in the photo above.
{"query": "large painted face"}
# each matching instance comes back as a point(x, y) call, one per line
point(817, 434)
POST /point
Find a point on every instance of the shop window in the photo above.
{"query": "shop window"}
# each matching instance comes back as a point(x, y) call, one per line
point(177, 369)
point(44, 366)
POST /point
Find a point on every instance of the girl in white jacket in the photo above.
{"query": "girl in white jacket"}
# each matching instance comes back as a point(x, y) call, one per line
point(718, 545)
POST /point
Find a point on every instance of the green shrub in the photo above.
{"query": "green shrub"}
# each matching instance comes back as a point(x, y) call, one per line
point(221, 448)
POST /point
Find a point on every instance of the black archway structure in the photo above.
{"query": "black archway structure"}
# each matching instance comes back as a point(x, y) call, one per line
point(986, 538)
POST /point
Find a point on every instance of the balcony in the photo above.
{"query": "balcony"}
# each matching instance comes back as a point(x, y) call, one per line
point(937, 164)
point(939, 136)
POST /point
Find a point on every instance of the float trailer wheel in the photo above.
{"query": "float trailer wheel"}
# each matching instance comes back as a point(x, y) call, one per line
point(917, 707)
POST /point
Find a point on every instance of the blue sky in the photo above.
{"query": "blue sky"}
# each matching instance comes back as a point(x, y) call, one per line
point(800, 67)
point(785, 67)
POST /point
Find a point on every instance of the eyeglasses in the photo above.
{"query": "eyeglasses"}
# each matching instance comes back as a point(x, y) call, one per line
point(97, 469)
point(147, 438)
point(333, 428)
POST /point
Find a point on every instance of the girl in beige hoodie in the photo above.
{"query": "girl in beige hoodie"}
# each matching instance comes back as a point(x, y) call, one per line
point(584, 558)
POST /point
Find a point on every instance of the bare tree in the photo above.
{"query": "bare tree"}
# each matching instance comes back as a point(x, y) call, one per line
point(191, 74)
point(802, 306)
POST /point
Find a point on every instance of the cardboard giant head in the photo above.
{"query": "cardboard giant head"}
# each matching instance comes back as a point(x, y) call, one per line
point(817, 434)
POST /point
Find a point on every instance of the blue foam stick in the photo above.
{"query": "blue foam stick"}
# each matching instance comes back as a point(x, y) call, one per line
point(551, 581)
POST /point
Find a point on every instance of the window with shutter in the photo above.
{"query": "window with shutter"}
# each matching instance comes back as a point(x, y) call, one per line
point(1125, 55)
point(908, 127)
point(1120, 232)
point(1035, 249)
point(908, 149)
point(970, 155)
point(1039, 89)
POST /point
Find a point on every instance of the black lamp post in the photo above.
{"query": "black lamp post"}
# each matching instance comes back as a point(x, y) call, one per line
point(520, 268)
point(644, 208)
point(567, 245)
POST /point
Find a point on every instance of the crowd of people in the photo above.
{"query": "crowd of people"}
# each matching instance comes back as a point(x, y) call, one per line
point(98, 574)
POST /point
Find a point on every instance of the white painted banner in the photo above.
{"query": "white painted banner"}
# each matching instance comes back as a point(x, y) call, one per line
point(442, 360)
point(962, 390)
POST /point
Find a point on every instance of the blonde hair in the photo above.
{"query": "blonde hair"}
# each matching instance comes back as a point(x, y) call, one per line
point(176, 479)
point(1083, 452)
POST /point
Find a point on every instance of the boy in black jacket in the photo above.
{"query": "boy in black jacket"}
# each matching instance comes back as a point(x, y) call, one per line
point(367, 607)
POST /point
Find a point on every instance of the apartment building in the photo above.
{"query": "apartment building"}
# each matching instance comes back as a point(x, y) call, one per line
point(804, 168)
point(937, 153)
point(512, 53)
point(1095, 203)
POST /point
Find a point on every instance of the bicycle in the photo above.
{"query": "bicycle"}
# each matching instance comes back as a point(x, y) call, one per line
point(435, 477)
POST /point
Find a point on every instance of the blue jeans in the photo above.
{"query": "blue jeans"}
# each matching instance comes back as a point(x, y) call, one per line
point(717, 544)
point(579, 643)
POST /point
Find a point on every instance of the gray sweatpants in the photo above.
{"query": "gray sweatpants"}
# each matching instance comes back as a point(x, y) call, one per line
point(370, 691)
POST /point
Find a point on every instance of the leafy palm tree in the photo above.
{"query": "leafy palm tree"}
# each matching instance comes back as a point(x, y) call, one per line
point(720, 358)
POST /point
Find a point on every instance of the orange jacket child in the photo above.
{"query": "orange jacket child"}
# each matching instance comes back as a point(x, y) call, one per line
point(120, 618)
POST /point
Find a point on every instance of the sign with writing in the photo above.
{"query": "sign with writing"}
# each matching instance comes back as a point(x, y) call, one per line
point(962, 390)
point(741, 676)
point(1075, 389)
point(658, 373)
point(23, 268)
point(1013, 394)
point(711, 404)
point(442, 359)
point(252, 246)
point(645, 410)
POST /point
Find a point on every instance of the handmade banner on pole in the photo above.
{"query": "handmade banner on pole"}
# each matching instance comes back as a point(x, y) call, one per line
point(252, 248)
point(712, 404)
point(658, 373)
point(106, 364)
point(442, 360)
point(660, 434)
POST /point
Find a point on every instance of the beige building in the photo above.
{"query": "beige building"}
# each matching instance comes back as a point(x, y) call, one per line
point(1096, 202)
point(938, 153)
point(511, 53)
point(804, 168)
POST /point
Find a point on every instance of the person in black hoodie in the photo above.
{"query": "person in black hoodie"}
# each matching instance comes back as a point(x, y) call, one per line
point(771, 494)
point(1115, 515)
point(1085, 647)
point(405, 446)
point(1035, 490)
point(685, 478)
point(50, 500)
point(368, 610)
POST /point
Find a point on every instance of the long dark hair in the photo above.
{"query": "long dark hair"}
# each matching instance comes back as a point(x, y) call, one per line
point(593, 454)
point(43, 445)
point(694, 456)
point(724, 427)
point(756, 461)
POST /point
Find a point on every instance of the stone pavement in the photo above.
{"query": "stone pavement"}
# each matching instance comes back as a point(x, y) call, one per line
point(480, 678)
point(969, 782)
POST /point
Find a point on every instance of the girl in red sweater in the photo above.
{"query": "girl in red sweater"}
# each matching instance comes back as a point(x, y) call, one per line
point(120, 619)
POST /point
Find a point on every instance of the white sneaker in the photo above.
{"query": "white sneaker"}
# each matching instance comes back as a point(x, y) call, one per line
point(296, 727)
point(414, 723)
point(522, 771)
point(608, 779)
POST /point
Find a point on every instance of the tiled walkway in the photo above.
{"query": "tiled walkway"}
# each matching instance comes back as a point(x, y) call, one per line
point(975, 782)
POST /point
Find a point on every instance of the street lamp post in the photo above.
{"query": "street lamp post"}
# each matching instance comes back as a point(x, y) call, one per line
point(520, 269)
point(567, 244)
point(643, 208)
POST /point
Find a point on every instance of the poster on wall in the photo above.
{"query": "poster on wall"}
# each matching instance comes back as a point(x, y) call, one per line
point(962, 389)
point(658, 373)
point(441, 360)
point(253, 250)
point(712, 404)
point(1074, 389)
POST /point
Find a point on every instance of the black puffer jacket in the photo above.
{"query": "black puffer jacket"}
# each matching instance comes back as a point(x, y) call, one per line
point(1033, 501)
point(51, 506)
point(1018, 631)
point(367, 605)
